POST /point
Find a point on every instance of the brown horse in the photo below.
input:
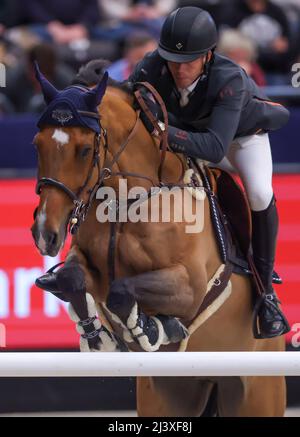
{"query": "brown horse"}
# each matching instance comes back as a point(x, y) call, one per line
point(161, 273)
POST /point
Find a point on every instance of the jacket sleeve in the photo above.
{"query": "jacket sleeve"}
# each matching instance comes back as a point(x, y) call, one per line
point(212, 143)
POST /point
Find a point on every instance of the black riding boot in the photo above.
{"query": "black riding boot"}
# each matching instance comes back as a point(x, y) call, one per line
point(264, 235)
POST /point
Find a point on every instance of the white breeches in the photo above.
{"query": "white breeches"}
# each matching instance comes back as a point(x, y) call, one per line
point(251, 158)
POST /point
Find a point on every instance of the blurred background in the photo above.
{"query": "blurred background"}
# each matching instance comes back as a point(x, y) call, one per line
point(262, 36)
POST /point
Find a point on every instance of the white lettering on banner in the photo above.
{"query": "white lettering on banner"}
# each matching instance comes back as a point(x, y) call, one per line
point(52, 305)
point(2, 335)
point(24, 280)
point(296, 337)
point(2, 75)
point(4, 295)
point(296, 76)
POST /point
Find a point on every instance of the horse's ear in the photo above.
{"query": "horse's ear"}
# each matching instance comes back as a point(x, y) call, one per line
point(48, 90)
point(94, 96)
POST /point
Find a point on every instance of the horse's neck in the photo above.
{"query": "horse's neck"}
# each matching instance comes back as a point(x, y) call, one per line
point(142, 154)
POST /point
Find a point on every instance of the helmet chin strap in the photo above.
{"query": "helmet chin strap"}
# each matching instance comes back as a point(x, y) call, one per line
point(207, 64)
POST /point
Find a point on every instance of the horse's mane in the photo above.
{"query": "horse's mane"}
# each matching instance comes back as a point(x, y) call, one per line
point(91, 73)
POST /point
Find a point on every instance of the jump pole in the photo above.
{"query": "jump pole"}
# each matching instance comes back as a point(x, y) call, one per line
point(74, 364)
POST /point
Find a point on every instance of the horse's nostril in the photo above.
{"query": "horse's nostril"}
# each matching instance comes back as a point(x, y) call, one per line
point(51, 239)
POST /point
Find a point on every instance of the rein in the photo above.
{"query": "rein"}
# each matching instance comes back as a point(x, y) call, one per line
point(81, 208)
point(163, 133)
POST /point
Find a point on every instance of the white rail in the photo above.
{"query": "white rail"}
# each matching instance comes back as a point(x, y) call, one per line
point(49, 364)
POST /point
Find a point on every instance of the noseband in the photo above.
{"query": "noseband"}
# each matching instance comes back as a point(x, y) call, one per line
point(81, 208)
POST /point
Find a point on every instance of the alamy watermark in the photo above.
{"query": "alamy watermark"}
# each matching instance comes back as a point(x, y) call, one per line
point(2, 75)
point(159, 205)
point(295, 340)
point(2, 336)
point(296, 76)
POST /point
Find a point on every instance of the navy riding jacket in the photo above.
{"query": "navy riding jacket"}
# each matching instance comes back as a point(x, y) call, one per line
point(225, 104)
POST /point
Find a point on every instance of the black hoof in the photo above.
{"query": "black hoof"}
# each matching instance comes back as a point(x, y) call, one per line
point(175, 330)
point(47, 282)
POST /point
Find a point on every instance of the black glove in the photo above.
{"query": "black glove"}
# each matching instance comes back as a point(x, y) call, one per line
point(153, 107)
point(147, 123)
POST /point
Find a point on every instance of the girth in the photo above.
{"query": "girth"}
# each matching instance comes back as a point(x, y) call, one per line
point(224, 241)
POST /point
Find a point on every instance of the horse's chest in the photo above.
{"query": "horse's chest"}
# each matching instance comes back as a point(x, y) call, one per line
point(145, 248)
point(134, 253)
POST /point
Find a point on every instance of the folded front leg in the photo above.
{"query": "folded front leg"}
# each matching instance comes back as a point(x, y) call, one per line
point(149, 306)
point(76, 282)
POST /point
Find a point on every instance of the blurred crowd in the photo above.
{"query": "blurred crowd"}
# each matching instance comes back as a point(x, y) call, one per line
point(262, 36)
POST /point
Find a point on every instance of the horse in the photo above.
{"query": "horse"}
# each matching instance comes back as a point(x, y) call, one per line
point(148, 280)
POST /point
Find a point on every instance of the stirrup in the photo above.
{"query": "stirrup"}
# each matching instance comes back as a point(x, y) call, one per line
point(276, 279)
point(271, 300)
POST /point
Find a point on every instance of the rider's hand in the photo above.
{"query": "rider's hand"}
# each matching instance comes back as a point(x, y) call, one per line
point(153, 107)
point(150, 103)
point(147, 123)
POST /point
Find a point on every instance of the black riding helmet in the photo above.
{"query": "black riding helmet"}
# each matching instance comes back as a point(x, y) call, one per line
point(187, 33)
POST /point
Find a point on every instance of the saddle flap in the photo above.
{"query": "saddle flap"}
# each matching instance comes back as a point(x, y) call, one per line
point(234, 205)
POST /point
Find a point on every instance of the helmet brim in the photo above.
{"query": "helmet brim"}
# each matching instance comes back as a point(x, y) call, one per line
point(178, 57)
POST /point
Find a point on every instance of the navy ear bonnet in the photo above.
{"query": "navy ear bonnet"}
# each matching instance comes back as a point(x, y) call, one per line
point(72, 106)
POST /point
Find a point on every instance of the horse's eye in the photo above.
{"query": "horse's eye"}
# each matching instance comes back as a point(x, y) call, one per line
point(85, 151)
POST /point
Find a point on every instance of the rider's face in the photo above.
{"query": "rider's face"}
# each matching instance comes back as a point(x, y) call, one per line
point(185, 73)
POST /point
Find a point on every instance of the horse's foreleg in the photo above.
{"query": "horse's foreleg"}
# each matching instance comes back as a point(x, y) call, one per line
point(74, 280)
point(164, 295)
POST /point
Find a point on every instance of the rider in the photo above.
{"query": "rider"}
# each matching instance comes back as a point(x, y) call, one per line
point(217, 113)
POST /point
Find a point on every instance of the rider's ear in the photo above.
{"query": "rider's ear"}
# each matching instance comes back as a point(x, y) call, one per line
point(49, 91)
point(94, 96)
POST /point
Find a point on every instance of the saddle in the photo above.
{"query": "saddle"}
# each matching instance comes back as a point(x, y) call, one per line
point(235, 209)
point(234, 214)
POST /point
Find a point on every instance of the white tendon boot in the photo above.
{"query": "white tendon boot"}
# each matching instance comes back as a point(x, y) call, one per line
point(94, 337)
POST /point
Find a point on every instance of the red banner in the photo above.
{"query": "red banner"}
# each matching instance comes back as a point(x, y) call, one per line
point(30, 318)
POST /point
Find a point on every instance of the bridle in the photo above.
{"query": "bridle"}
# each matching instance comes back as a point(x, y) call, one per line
point(81, 208)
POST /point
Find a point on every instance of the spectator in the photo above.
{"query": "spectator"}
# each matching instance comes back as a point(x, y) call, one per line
point(241, 50)
point(266, 24)
point(8, 14)
point(67, 24)
point(6, 106)
point(136, 47)
point(214, 7)
point(123, 17)
point(22, 88)
point(57, 21)
point(10, 53)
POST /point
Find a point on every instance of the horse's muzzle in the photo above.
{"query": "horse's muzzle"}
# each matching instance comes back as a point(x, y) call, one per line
point(47, 241)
